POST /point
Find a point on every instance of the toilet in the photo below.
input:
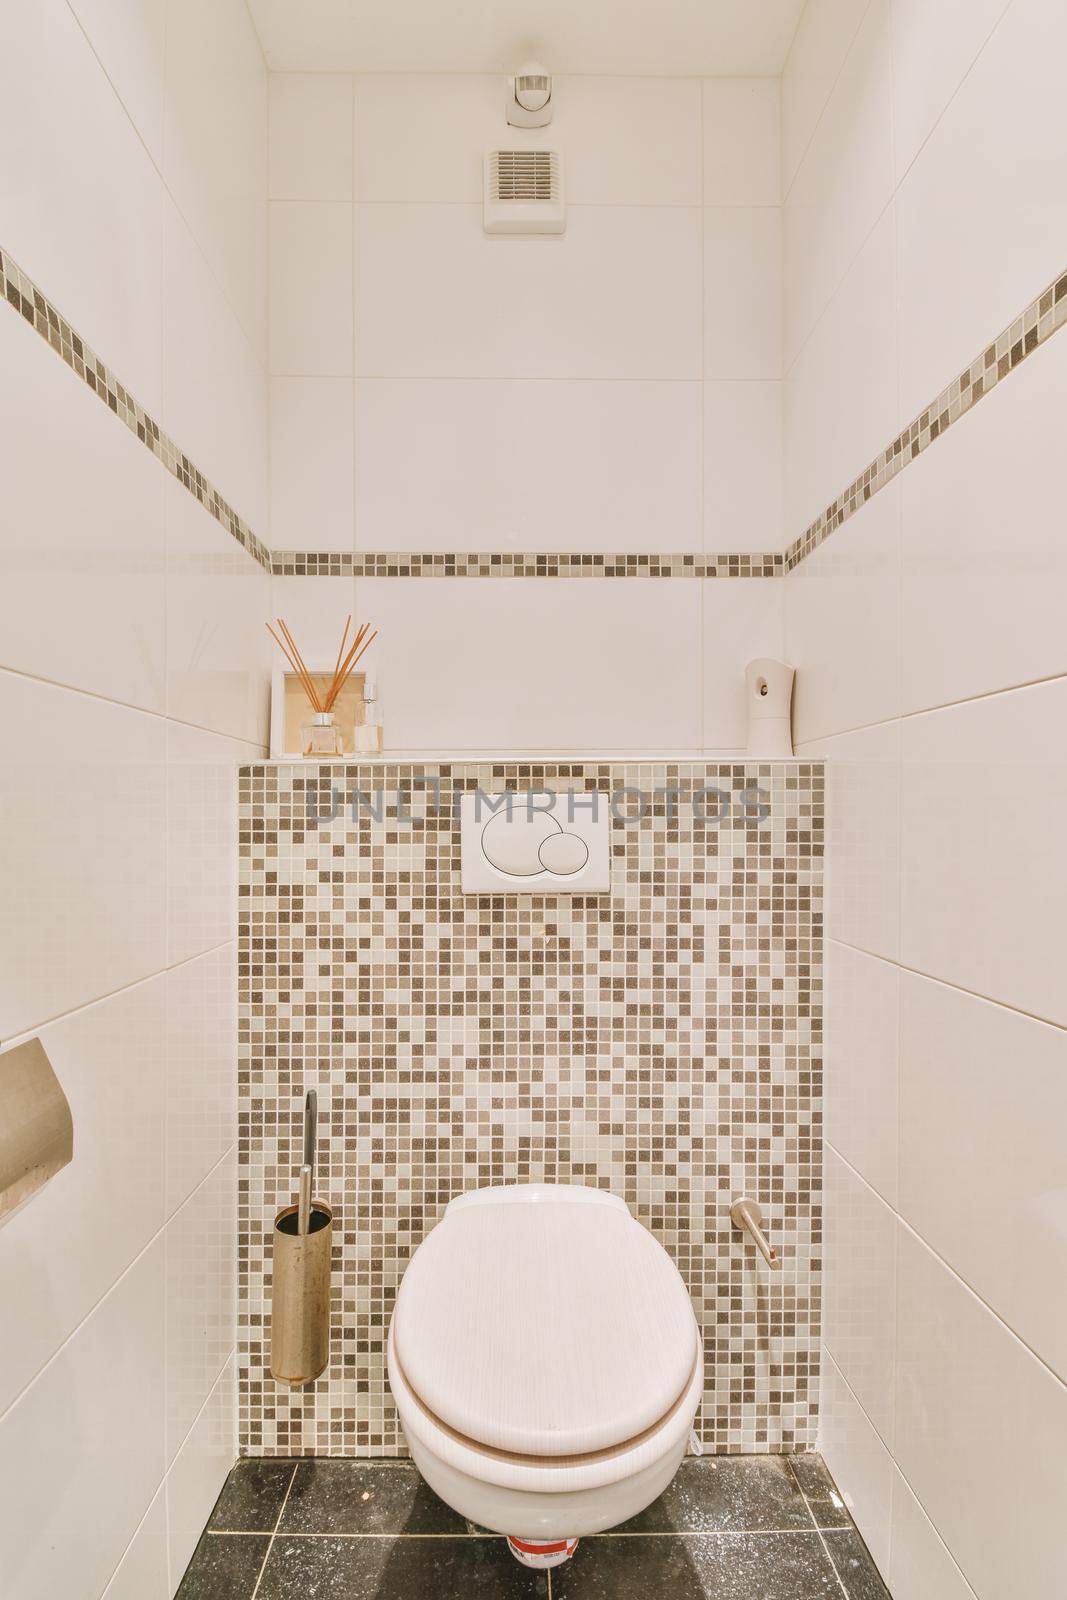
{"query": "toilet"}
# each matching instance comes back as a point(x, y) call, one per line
point(545, 1362)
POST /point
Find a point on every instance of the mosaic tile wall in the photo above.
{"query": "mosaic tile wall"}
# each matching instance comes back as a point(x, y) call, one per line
point(662, 1040)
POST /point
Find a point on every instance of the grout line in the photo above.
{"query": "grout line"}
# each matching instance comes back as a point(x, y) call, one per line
point(1057, 1377)
point(607, 1533)
point(946, 983)
point(127, 705)
point(123, 988)
point(110, 1290)
point(818, 1530)
point(274, 1531)
point(931, 711)
point(787, 191)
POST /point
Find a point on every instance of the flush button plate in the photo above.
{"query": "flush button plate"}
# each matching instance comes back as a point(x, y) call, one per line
point(534, 842)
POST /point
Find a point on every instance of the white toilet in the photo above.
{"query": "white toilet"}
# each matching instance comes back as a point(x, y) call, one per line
point(545, 1362)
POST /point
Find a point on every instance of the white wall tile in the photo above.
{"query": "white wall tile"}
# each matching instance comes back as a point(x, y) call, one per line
point(466, 665)
point(843, 624)
point(199, 1472)
point(493, 464)
point(201, 839)
point(742, 460)
point(861, 1090)
point(88, 1440)
point(742, 142)
point(129, 38)
point(109, 1059)
point(984, 886)
point(214, 385)
point(920, 1566)
point(218, 648)
point(983, 1173)
point(969, 1395)
point(974, 621)
point(142, 1573)
point(311, 464)
point(824, 33)
point(311, 291)
point(201, 1297)
point(844, 182)
point(860, 1463)
point(315, 610)
point(617, 296)
point(859, 1290)
point(863, 837)
point(81, 549)
point(201, 1102)
point(933, 50)
point(81, 198)
point(742, 619)
point(215, 146)
point(82, 852)
point(311, 136)
point(982, 212)
point(742, 292)
point(624, 141)
point(841, 392)
point(423, 137)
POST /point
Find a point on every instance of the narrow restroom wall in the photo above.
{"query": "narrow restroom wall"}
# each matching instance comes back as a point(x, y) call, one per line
point(132, 682)
point(613, 395)
point(925, 171)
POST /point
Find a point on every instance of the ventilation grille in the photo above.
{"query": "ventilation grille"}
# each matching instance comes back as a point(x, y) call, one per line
point(524, 175)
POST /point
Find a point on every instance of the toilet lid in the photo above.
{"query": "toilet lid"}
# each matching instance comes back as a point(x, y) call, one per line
point(547, 1330)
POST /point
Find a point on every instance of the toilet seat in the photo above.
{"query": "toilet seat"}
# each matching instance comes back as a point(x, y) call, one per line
point(539, 1339)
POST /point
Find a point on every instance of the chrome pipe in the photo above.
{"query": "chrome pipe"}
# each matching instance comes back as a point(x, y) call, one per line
point(746, 1214)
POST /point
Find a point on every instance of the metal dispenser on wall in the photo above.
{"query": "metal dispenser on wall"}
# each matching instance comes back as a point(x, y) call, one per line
point(36, 1127)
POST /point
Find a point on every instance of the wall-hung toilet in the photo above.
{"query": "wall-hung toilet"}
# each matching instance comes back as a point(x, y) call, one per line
point(545, 1362)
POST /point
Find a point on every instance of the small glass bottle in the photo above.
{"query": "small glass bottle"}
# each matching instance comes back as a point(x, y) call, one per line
point(321, 737)
point(369, 732)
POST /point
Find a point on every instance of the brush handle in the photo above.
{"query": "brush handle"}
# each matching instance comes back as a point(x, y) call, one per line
point(311, 1115)
point(303, 1204)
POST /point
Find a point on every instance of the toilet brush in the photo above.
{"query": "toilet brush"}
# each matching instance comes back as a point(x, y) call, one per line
point(300, 1279)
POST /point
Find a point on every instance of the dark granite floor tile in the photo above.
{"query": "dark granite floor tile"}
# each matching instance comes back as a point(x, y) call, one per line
point(827, 1506)
point(224, 1567)
point(726, 1492)
point(758, 1566)
point(859, 1576)
point(252, 1497)
point(397, 1569)
point(365, 1497)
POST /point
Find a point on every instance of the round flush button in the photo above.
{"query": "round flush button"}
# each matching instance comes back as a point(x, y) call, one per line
point(563, 854)
point(511, 840)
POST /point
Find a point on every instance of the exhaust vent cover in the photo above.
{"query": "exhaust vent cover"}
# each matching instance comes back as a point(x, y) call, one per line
point(524, 192)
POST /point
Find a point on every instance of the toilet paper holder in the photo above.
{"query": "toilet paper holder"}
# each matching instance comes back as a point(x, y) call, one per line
point(746, 1214)
point(36, 1127)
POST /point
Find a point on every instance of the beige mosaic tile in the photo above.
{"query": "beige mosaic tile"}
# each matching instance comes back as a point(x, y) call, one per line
point(662, 1040)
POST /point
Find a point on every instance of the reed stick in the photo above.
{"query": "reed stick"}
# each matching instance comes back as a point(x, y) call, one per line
point(343, 666)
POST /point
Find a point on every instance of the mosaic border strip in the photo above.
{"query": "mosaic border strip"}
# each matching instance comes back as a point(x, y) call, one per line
point(1037, 323)
point(1025, 334)
point(525, 564)
point(20, 291)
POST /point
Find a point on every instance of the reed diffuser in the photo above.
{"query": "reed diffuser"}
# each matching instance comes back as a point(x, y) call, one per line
point(321, 737)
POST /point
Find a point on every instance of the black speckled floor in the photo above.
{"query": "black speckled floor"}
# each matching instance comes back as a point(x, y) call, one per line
point(728, 1527)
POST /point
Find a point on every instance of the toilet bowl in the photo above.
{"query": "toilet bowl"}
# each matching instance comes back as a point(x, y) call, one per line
point(545, 1362)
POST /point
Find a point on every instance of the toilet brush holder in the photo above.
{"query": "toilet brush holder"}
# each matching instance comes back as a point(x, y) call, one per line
point(300, 1295)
